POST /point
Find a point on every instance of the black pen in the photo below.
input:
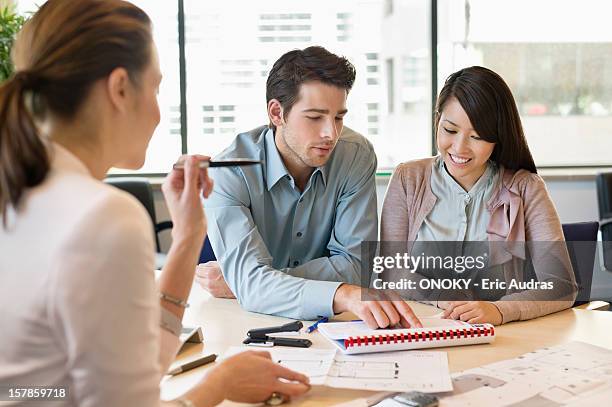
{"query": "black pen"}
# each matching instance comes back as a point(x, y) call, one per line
point(193, 364)
point(234, 162)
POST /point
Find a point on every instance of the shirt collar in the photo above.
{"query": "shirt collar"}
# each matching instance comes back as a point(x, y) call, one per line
point(275, 168)
point(485, 179)
point(324, 170)
point(441, 176)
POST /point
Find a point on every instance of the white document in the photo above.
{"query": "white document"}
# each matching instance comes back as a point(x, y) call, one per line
point(565, 375)
point(341, 330)
point(398, 371)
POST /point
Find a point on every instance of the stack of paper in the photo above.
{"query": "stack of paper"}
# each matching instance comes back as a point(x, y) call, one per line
point(574, 374)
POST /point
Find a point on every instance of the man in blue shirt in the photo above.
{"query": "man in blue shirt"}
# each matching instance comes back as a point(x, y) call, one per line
point(287, 234)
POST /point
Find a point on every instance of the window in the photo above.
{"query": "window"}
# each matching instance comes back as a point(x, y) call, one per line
point(230, 67)
point(227, 69)
point(390, 85)
point(165, 146)
point(559, 69)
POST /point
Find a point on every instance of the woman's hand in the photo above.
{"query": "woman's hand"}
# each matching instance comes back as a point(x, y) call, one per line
point(182, 190)
point(474, 312)
point(252, 377)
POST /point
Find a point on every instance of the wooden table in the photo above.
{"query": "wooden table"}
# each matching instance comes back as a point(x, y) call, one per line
point(225, 324)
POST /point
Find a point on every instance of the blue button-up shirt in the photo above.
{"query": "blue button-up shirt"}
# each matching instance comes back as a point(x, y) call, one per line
point(284, 251)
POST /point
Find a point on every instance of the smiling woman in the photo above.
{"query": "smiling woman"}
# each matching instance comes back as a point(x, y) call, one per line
point(482, 186)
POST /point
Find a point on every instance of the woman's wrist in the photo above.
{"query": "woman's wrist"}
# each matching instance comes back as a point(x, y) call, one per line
point(189, 236)
point(210, 391)
point(178, 271)
point(188, 240)
point(177, 274)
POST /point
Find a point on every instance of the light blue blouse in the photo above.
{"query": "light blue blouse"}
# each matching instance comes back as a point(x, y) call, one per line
point(458, 215)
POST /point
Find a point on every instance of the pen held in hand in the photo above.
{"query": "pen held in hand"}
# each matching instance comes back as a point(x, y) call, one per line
point(193, 364)
point(234, 162)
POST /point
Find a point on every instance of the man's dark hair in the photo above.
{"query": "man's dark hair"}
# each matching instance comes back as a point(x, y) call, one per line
point(300, 66)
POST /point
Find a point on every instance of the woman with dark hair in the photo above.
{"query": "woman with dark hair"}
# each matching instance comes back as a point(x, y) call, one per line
point(80, 305)
point(482, 187)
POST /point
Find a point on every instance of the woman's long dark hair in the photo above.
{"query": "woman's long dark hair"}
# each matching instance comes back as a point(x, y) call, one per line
point(60, 52)
point(490, 106)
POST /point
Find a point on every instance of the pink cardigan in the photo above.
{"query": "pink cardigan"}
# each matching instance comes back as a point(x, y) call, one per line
point(520, 209)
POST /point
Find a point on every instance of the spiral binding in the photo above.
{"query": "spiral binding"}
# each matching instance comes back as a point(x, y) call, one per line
point(419, 336)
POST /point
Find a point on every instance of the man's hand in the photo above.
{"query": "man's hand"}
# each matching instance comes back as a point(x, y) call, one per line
point(474, 312)
point(389, 311)
point(210, 278)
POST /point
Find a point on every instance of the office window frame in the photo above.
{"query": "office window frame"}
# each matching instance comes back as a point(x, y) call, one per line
point(433, 48)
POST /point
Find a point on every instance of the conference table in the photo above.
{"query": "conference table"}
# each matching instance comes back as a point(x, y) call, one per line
point(225, 325)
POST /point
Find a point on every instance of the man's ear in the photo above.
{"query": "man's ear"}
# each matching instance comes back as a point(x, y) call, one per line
point(275, 112)
point(117, 86)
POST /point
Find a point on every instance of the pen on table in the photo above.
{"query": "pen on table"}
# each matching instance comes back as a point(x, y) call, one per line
point(316, 324)
point(234, 162)
point(193, 364)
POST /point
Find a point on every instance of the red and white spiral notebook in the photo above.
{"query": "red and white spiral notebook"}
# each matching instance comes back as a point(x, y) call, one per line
point(355, 337)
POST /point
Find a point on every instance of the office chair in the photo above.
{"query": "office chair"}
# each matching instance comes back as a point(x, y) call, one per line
point(582, 255)
point(141, 189)
point(604, 200)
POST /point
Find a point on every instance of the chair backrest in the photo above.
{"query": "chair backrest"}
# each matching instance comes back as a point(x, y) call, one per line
point(604, 200)
point(141, 189)
point(581, 239)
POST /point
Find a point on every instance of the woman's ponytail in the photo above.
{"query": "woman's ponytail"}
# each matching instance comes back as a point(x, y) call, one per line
point(24, 161)
point(60, 52)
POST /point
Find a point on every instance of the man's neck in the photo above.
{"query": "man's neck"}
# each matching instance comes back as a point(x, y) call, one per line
point(294, 165)
point(300, 173)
